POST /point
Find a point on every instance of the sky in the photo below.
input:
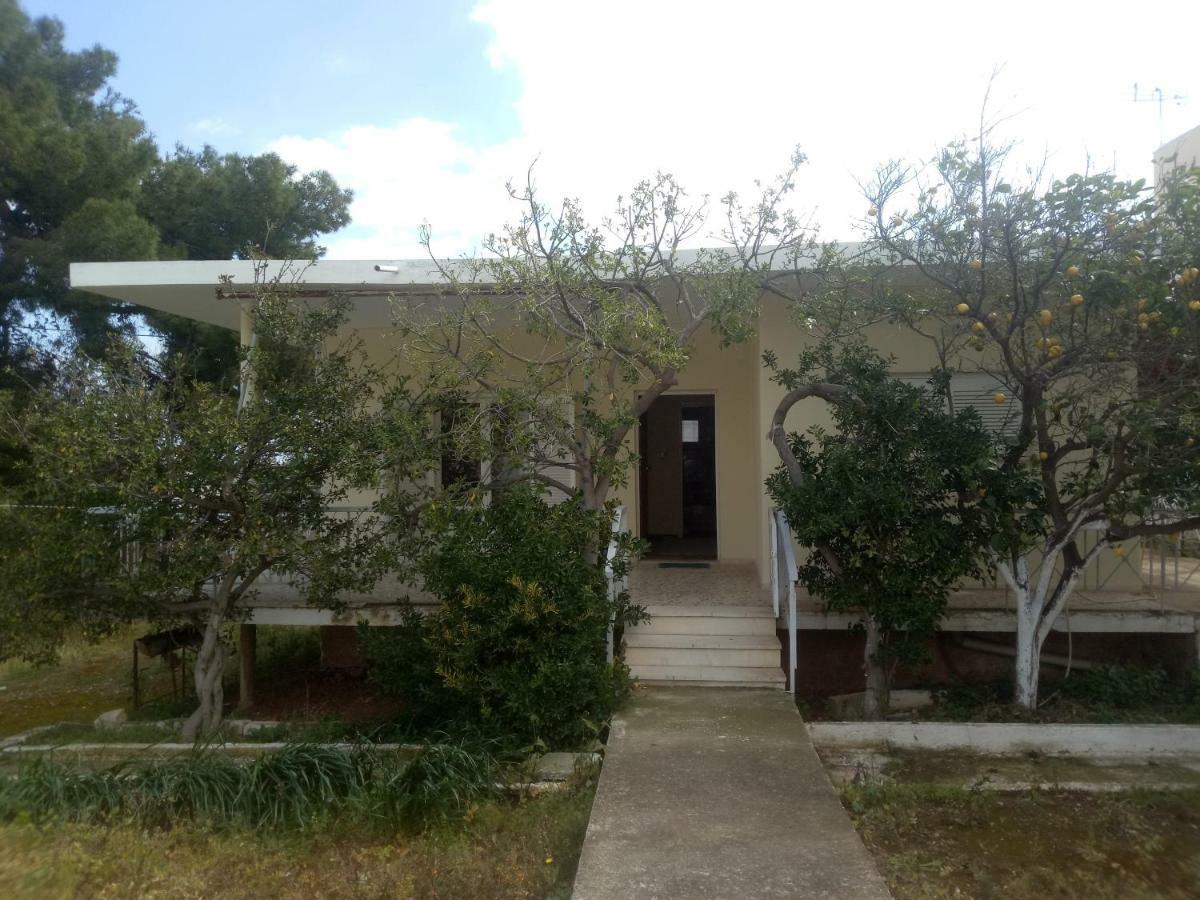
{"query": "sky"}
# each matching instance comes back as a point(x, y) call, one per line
point(427, 109)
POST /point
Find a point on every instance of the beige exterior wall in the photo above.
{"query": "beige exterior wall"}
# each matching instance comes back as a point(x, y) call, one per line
point(730, 375)
point(745, 400)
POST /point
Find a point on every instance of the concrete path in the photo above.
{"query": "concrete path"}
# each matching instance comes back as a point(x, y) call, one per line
point(718, 792)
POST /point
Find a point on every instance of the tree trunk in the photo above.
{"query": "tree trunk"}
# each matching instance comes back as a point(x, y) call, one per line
point(1029, 653)
point(875, 697)
point(208, 677)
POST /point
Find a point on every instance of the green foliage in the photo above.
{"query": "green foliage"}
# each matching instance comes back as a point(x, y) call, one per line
point(299, 786)
point(1082, 297)
point(516, 645)
point(1105, 693)
point(572, 327)
point(894, 502)
point(140, 491)
point(81, 180)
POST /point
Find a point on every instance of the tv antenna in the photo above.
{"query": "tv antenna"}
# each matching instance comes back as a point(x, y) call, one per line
point(1159, 96)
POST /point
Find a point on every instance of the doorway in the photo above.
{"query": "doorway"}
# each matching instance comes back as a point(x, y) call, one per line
point(678, 477)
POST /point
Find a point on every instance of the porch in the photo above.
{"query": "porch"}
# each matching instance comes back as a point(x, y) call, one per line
point(714, 623)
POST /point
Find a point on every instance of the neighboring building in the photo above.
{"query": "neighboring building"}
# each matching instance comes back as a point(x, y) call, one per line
point(699, 496)
point(1182, 152)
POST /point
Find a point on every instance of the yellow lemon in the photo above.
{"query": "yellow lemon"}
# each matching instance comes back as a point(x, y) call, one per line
point(1119, 550)
point(1072, 271)
point(999, 398)
point(1045, 317)
point(978, 327)
point(1143, 318)
point(1194, 306)
point(1055, 351)
point(1043, 456)
point(1190, 442)
point(1076, 299)
point(976, 264)
point(1143, 303)
point(873, 212)
point(963, 309)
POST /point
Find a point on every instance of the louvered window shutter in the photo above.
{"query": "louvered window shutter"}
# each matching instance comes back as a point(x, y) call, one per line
point(977, 390)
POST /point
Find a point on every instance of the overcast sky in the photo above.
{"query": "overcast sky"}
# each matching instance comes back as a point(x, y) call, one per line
point(426, 109)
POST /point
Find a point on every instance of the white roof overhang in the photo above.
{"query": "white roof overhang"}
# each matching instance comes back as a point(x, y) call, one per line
point(195, 289)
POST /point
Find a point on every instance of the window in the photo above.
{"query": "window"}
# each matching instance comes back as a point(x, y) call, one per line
point(977, 390)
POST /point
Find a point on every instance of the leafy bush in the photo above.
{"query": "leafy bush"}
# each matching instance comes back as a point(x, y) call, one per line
point(516, 647)
point(1106, 693)
point(291, 788)
point(1129, 687)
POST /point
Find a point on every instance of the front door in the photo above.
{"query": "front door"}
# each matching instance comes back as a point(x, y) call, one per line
point(678, 477)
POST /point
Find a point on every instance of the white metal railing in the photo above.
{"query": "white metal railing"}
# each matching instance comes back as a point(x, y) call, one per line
point(345, 513)
point(616, 584)
point(783, 578)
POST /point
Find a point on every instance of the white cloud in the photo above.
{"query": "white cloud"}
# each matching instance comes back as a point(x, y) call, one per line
point(719, 93)
point(213, 126)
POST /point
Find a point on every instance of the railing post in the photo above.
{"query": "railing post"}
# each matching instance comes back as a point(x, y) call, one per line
point(781, 545)
point(614, 590)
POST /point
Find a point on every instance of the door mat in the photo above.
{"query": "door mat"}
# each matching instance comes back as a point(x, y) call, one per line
point(684, 565)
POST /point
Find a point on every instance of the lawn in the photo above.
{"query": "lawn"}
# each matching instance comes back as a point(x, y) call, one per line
point(504, 850)
point(88, 679)
point(933, 842)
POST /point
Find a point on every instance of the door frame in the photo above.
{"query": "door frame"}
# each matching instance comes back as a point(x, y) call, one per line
point(636, 437)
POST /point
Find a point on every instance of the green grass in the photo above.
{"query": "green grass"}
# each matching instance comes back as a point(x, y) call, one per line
point(938, 842)
point(299, 786)
point(503, 849)
point(88, 679)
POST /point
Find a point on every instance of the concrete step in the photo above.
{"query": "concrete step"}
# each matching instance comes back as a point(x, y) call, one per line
point(638, 638)
point(724, 620)
point(716, 676)
point(701, 656)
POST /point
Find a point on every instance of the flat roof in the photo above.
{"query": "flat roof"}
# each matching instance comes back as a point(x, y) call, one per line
point(194, 289)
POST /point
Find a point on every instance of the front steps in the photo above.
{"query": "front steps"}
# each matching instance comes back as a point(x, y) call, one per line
point(717, 646)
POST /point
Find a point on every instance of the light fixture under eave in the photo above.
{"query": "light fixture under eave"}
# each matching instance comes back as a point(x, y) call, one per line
point(391, 269)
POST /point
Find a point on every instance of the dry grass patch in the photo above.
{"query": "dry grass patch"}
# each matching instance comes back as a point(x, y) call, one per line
point(525, 850)
point(942, 842)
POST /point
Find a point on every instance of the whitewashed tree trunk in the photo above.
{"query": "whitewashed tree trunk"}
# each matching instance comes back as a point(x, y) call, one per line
point(1029, 650)
point(1039, 604)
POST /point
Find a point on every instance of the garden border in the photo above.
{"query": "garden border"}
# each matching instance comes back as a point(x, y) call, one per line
point(1008, 738)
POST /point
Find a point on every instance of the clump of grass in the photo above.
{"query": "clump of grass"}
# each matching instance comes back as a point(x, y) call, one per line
point(440, 784)
point(294, 787)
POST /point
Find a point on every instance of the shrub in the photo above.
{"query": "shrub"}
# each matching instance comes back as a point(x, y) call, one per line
point(516, 647)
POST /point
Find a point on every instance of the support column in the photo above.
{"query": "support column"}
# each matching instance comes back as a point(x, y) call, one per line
point(247, 655)
point(247, 339)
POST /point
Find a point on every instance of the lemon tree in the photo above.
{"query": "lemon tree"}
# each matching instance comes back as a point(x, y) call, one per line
point(1081, 298)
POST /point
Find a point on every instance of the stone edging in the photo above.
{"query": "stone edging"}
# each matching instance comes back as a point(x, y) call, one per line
point(1012, 738)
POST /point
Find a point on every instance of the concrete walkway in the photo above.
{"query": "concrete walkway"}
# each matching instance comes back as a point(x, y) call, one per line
point(717, 792)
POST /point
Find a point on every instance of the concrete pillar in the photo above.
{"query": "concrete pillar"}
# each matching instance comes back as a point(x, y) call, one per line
point(247, 655)
point(247, 338)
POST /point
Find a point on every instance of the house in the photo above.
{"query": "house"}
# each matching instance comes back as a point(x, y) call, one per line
point(698, 497)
